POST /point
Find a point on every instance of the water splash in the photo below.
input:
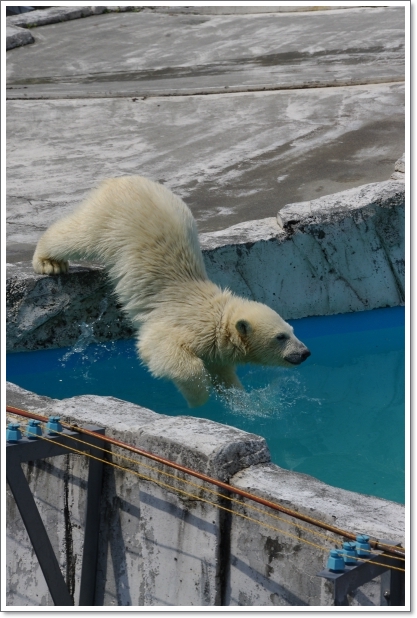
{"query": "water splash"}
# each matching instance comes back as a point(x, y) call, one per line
point(274, 400)
point(86, 338)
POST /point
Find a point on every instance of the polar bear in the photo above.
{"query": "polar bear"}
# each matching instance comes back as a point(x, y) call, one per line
point(188, 329)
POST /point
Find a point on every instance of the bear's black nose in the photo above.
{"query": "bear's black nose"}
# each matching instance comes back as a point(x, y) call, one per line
point(296, 358)
point(305, 354)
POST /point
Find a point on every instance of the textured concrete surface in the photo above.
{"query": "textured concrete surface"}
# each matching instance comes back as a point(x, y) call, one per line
point(342, 252)
point(53, 311)
point(266, 563)
point(15, 37)
point(233, 156)
point(147, 53)
point(399, 173)
point(160, 547)
point(230, 157)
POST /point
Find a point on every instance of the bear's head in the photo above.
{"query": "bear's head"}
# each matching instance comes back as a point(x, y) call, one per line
point(261, 336)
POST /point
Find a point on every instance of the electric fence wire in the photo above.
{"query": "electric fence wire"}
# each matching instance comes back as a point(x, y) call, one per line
point(393, 549)
point(206, 489)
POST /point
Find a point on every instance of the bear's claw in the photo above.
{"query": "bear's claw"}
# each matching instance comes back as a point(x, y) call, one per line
point(47, 266)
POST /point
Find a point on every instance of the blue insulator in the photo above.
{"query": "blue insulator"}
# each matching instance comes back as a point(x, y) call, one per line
point(13, 433)
point(362, 545)
point(335, 561)
point(33, 429)
point(349, 553)
point(54, 426)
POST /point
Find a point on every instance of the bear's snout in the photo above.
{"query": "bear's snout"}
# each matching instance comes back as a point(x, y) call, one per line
point(296, 358)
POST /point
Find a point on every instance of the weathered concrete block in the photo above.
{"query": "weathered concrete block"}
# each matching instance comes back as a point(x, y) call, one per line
point(339, 253)
point(44, 312)
point(400, 164)
point(161, 539)
point(399, 173)
point(16, 37)
point(53, 15)
point(279, 567)
point(165, 542)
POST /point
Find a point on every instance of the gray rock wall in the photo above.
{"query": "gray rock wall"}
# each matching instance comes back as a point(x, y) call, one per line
point(339, 253)
point(161, 547)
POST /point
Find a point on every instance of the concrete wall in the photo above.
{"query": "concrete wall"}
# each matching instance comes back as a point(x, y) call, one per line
point(159, 547)
point(339, 253)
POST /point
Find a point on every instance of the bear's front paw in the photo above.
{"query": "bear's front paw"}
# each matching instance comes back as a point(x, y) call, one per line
point(46, 266)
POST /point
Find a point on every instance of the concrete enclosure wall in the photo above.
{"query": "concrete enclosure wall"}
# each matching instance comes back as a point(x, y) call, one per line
point(161, 547)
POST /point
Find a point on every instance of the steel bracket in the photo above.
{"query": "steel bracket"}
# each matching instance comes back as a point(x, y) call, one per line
point(378, 563)
point(31, 450)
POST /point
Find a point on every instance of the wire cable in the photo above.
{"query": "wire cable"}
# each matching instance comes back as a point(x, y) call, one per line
point(199, 498)
point(212, 491)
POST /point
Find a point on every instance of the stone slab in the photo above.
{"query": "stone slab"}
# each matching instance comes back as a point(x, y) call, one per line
point(230, 157)
point(340, 253)
point(240, 10)
point(62, 313)
point(161, 547)
point(274, 568)
point(209, 53)
point(158, 545)
point(53, 15)
point(16, 37)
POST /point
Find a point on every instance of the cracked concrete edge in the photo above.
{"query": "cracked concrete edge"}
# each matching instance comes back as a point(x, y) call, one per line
point(16, 37)
point(360, 201)
point(399, 173)
point(264, 552)
point(203, 445)
point(347, 250)
point(240, 10)
point(348, 510)
point(55, 15)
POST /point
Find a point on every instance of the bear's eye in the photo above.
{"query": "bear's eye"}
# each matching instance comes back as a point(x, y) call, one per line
point(282, 337)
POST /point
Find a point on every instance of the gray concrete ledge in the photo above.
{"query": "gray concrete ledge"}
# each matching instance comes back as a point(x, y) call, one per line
point(16, 37)
point(53, 15)
point(399, 173)
point(340, 253)
point(240, 10)
point(286, 572)
point(61, 311)
point(159, 547)
point(206, 53)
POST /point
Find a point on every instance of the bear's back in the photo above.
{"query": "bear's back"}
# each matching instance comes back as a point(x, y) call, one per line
point(146, 235)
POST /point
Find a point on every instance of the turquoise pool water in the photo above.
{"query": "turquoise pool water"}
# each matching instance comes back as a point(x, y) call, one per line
point(339, 416)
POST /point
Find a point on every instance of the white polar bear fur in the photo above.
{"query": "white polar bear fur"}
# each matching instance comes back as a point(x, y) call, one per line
point(189, 330)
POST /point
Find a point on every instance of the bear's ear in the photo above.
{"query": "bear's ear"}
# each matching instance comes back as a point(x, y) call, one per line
point(243, 327)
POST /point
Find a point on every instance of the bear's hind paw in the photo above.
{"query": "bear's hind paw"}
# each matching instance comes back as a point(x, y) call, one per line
point(48, 266)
